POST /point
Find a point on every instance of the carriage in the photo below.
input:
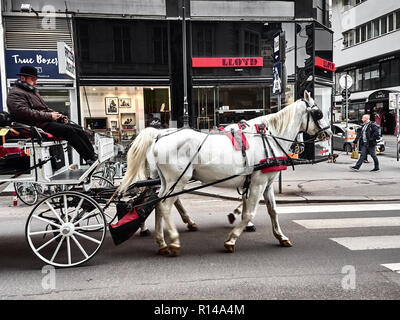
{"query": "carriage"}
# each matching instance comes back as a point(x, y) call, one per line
point(66, 228)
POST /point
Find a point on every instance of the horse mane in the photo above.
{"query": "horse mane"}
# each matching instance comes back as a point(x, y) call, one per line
point(277, 122)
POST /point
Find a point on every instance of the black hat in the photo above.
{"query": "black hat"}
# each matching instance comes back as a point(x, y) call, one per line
point(28, 71)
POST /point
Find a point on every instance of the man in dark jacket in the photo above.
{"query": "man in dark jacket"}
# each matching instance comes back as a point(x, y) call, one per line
point(27, 106)
point(368, 136)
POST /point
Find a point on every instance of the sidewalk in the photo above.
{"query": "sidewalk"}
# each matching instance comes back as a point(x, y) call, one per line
point(331, 182)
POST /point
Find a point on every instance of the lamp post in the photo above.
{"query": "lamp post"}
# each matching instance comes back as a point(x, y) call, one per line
point(185, 89)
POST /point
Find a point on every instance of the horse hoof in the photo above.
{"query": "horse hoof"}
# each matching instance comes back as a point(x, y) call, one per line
point(250, 229)
point(286, 243)
point(231, 218)
point(174, 251)
point(145, 233)
point(229, 247)
point(192, 227)
point(163, 251)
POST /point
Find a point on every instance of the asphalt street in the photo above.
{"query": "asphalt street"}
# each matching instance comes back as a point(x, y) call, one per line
point(350, 251)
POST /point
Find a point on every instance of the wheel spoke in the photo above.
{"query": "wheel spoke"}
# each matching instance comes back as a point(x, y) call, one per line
point(54, 211)
point(88, 238)
point(77, 209)
point(85, 216)
point(43, 232)
point(48, 242)
point(85, 228)
point(65, 208)
point(69, 250)
point(47, 221)
point(80, 247)
point(57, 249)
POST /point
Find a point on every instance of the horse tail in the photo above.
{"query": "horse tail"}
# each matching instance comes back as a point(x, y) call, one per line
point(136, 158)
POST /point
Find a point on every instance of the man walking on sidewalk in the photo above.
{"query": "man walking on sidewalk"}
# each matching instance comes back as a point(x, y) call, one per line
point(368, 135)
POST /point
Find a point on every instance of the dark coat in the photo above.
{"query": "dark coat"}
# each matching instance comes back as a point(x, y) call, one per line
point(372, 134)
point(28, 107)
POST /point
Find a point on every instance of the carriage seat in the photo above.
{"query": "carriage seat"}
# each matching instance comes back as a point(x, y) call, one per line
point(21, 132)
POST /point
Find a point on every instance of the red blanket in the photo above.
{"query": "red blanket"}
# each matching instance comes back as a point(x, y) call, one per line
point(276, 168)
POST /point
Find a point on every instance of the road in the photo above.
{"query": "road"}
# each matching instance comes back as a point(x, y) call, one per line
point(333, 257)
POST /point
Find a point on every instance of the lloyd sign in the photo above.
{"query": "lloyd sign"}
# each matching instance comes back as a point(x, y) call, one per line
point(66, 60)
point(241, 62)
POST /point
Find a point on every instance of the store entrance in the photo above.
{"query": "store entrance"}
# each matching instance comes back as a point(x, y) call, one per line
point(223, 105)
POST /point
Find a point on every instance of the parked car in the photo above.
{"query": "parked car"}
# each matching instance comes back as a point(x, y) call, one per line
point(343, 138)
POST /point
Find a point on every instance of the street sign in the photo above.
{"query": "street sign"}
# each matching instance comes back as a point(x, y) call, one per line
point(277, 74)
point(343, 83)
point(344, 94)
point(392, 101)
point(277, 47)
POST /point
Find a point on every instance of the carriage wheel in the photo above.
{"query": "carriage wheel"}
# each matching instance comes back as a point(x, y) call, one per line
point(26, 192)
point(66, 229)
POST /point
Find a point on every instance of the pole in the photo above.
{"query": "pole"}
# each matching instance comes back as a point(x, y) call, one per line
point(279, 102)
point(185, 94)
point(347, 105)
point(398, 126)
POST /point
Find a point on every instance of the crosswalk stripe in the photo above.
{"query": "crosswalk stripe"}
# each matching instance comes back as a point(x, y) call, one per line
point(392, 266)
point(349, 223)
point(339, 208)
point(369, 243)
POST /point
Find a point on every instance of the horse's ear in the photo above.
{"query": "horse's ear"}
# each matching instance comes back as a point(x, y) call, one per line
point(307, 96)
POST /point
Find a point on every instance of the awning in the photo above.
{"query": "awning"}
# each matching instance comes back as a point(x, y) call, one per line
point(380, 95)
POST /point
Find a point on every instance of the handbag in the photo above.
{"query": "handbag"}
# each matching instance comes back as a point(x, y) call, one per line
point(355, 154)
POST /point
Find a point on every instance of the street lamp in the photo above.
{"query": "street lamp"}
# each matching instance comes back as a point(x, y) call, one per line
point(185, 89)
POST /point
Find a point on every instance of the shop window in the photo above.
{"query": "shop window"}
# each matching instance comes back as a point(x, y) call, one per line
point(385, 74)
point(156, 106)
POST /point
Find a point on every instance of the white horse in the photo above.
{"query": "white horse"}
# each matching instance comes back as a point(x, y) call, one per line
point(208, 164)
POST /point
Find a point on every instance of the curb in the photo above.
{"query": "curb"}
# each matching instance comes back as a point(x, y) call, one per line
point(307, 199)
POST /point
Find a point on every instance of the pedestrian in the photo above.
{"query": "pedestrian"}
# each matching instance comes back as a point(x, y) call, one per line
point(368, 136)
point(27, 106)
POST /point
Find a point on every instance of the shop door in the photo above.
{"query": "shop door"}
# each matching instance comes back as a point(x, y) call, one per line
point(58, 100)
point(323, 99)
point(204, 99)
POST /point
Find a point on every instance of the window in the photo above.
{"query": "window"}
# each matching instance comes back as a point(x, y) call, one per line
point(204, 42)
point(397, 20)
point(122, 44)
point(358, 80)
point(383, 25)
point(358, 31)
point(363, 33)
point(251, 43)
point(375, 25)
point(371, 77)
point(391, 22)
point(160, 43)
point(369, 30)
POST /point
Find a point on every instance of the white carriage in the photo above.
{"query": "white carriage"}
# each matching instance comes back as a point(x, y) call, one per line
point(67, 228)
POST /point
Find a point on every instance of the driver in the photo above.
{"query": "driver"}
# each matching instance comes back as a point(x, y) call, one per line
point(27, 106)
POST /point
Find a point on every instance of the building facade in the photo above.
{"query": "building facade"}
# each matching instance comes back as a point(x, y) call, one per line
point(367, 47)
point(130, 63)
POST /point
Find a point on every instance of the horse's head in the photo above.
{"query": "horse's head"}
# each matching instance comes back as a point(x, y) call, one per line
point(314, 122)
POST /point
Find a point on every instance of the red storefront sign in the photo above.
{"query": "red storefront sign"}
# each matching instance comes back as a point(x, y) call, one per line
point(240, 62)
point(324, 64)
